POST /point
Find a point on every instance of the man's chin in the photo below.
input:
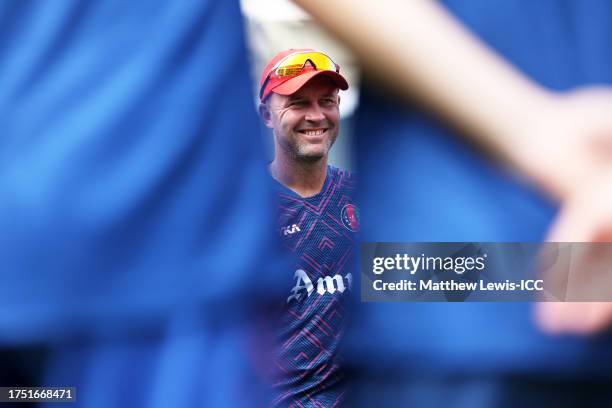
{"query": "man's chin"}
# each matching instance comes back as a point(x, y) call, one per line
point(310, 157)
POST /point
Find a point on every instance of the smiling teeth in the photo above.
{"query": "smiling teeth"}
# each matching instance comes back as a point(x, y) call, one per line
point(314, 132)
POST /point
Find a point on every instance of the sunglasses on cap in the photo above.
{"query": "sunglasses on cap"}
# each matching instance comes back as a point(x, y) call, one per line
point(295, 64)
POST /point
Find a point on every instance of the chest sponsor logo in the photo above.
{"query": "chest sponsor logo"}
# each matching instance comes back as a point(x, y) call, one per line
point(327, 284)
point(290, 229)
point(350, 217)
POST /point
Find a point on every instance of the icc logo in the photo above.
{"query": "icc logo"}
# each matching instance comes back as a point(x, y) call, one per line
point(350, 217)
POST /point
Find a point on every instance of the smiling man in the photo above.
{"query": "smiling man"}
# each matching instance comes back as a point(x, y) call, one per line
point(317, 221)
point(300, 103)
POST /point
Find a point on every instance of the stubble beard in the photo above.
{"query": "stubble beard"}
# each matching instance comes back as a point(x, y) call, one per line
point(300, 151)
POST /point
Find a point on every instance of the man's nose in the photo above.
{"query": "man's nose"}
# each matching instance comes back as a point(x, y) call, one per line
point(315, 114)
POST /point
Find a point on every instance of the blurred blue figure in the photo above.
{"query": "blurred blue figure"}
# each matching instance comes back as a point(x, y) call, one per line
point(418, 182)
point(136, 214)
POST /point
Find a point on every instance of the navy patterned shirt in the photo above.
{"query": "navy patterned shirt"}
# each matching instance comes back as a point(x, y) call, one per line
point(321, 232)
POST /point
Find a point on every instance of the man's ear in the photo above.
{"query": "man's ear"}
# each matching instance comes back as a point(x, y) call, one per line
point(266, 115)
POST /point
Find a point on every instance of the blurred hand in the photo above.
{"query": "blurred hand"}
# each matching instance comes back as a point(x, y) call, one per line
point(584, 217)
point(563, 144)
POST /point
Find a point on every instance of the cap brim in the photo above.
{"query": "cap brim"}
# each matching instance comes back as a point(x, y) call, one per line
point(292, 85)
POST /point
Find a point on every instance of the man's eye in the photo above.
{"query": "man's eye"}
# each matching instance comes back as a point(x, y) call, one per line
point(328, 101)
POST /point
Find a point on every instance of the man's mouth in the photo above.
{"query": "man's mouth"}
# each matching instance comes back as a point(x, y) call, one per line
point(313, 132)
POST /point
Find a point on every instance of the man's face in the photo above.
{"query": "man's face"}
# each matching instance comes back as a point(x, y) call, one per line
point(306, 123)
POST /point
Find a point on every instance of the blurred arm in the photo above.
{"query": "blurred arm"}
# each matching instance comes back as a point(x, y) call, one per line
point(424, 52)
point(421, 51)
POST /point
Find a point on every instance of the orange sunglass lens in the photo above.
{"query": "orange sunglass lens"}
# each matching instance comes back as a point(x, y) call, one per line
point(290, 70)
